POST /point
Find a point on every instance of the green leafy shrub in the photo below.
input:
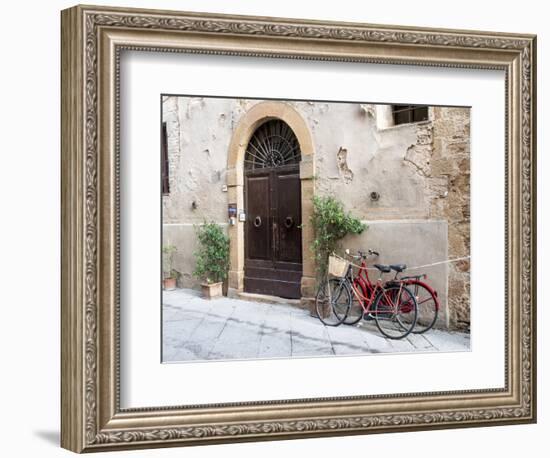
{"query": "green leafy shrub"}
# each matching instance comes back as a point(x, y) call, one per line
point(331, 223)
point(167, 261)
point(212, 255)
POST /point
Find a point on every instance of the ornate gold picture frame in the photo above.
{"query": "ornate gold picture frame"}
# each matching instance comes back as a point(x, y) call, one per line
point(92, 41)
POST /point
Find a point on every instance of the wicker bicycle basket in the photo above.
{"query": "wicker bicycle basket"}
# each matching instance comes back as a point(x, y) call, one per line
point(337, 267)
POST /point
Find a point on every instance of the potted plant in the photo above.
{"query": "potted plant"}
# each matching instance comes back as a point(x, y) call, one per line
point(331, 223)
point(169, 275)
point(212, 259)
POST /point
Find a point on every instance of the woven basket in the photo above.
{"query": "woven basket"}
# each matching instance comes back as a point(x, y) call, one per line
point(337, 267)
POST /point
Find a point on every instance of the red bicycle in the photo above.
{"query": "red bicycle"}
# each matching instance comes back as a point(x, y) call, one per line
point(427, 300)
point(392, 307)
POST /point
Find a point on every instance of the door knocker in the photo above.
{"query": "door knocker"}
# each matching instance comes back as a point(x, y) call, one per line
point(257, 221)
point(289, 222)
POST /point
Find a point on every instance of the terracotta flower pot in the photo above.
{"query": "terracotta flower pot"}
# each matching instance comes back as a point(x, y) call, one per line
point(211, 290)
point(169, 284)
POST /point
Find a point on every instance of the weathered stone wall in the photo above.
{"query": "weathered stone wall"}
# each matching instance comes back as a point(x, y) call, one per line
point(419, 171)
point(440, 155)
point(353, 158)
point(451, 162)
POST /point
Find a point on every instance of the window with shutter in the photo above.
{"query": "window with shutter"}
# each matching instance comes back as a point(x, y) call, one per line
point(405, 114)
point(165, 167)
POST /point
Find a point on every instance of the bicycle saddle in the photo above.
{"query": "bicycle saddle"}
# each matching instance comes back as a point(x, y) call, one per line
point(398, 267)
point(382, 267)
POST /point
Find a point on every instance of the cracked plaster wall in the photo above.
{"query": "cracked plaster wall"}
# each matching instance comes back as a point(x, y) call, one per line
point(450, 172)
point(420, 172)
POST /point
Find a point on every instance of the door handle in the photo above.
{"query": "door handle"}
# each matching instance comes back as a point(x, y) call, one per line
point(257, 221)
point(275, 237)
point(289, 222)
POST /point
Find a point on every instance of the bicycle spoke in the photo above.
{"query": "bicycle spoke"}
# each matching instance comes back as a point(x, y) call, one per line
point(395, 312)
point(355, 313)
point(427, 308)
point(333, 302)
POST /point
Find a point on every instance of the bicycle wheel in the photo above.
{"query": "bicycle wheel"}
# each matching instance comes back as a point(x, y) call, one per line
point(333, 311)
point(427, 305)
point(355, 313)
point(395, 311)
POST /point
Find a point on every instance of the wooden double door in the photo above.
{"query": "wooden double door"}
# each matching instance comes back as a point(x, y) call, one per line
point(273, 234)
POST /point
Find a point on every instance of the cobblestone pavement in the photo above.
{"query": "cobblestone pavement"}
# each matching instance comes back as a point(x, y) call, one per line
point(197, 329)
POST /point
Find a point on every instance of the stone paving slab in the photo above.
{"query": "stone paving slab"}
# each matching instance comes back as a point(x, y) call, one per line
point(197, 329)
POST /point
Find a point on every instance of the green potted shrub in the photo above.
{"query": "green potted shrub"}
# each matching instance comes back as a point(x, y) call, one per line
point(169, 275)
point(212, 259)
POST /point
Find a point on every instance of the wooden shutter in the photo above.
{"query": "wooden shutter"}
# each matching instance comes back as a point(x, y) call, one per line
point(164, 165)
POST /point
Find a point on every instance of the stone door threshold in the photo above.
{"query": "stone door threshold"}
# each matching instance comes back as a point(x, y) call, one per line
point(265, 298)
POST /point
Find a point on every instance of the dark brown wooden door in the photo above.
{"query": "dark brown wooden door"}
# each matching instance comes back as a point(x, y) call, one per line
point(273, 235)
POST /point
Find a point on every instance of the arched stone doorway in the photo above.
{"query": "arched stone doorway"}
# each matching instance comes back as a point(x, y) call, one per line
point(260, 114)
point(272, 203)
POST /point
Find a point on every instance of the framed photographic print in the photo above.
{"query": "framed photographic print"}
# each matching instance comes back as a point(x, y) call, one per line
point(277, 228)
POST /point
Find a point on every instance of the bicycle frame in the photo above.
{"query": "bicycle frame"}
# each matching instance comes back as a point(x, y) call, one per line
point(362, 287)
point(363, 284)
point(412, 281)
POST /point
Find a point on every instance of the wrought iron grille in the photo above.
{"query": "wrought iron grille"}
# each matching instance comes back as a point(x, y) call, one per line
point(273, 144)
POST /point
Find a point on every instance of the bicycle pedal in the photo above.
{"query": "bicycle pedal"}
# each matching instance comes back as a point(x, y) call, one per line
point(368, 317)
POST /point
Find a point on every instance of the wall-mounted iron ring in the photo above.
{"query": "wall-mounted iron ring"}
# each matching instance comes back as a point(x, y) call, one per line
point(289, 222)
point(257, 221)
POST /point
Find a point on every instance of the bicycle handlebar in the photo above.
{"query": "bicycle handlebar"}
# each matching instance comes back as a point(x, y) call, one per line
point(361, 254)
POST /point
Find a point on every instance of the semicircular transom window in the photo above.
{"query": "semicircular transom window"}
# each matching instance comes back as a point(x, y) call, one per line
point(273, 144)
